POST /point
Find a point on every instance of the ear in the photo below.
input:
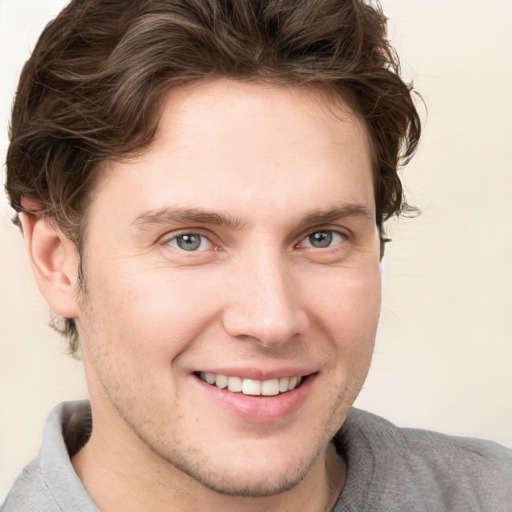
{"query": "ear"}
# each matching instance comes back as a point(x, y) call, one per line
point(54, 261)
point(383, 241)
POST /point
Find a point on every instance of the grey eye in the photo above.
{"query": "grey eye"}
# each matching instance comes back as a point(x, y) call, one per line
point(187, 242)
point(321, 239)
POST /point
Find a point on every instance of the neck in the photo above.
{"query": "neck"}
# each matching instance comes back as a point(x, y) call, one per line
point(136, 479)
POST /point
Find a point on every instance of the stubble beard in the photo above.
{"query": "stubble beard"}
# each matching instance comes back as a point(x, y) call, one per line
point(188, 460)
point(218, 475)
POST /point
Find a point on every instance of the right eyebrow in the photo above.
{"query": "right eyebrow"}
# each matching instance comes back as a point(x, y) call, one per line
point(317, 217)
point(185, 216)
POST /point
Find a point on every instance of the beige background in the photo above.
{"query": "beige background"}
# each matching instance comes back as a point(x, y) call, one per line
point(444, 352)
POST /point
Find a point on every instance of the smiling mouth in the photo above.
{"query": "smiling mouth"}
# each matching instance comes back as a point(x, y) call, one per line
point(251, 387)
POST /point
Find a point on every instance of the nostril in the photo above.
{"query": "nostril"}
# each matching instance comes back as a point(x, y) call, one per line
point(269, 332)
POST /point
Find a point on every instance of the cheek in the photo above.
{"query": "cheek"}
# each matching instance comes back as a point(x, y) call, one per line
point(351, 314)
point(158, 312)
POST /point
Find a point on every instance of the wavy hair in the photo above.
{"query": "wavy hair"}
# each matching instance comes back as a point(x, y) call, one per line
point(90, 90)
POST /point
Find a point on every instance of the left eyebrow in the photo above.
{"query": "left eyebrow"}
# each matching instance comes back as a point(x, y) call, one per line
point(186, 216)
point(199, 216)
point(326, 216)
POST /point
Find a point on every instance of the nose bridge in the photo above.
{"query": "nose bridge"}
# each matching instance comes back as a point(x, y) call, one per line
point(264, 301)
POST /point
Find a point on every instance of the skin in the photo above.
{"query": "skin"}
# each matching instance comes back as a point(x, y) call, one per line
point(270, 166)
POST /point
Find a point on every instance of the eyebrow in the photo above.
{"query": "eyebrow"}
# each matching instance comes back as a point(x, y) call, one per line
point(199, 216)
point(326, 216)
point(186, 216)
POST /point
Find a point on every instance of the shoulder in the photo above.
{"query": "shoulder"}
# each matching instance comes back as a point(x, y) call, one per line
point(49, 482)
point(420, 466)
point(29, 492)
point(426, 444)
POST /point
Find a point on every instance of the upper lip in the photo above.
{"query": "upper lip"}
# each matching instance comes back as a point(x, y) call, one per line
point(260, 373)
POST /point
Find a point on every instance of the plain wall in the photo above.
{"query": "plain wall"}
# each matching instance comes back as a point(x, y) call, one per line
point(444, 353)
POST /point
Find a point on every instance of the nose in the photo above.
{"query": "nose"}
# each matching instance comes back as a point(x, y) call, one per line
point(264, 302)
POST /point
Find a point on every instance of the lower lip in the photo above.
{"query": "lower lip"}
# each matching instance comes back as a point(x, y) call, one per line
point(260, 409)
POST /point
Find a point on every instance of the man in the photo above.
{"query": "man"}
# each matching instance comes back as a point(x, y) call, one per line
point(202, 187)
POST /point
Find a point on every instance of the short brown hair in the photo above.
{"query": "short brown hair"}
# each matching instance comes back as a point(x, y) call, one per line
point(91, 88)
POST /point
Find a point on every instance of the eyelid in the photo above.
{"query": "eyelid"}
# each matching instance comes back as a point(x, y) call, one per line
point(345, 233)
point(168, 237)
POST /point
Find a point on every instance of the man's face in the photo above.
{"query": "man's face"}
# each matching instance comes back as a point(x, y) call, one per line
point(240, 248)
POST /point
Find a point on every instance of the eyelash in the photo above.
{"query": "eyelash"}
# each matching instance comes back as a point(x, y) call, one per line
point(332, 233)
point(182, 235)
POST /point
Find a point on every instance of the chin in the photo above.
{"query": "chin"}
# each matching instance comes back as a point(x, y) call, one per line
point(250, 481)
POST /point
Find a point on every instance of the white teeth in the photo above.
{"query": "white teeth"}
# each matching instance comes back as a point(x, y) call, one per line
point(251, 387)
point(210, 378)
point(235, 384)
point(221, 381)
point(270, 387)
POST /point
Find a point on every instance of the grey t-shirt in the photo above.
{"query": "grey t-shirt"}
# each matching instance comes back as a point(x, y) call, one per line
point(389, 469)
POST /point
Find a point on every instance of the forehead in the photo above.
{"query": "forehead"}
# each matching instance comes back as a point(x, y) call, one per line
point(223, 107)
point(226, 143)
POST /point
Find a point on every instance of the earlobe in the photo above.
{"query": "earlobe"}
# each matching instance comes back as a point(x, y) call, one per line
point(54, 261)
